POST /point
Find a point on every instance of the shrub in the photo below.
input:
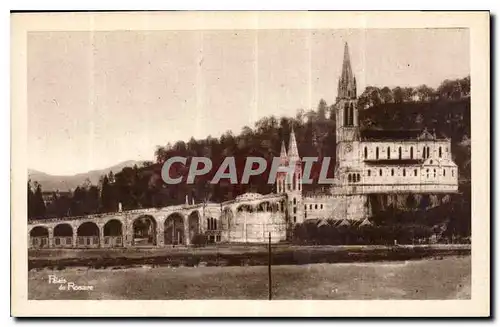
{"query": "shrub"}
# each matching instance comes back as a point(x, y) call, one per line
point(310, 233)
point(199, 240)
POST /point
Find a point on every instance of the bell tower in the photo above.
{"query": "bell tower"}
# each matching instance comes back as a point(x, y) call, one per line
point(346, 112)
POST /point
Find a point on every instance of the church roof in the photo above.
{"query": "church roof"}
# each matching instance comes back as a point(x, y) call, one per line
point(397, 134)
point(396, 162)
point(387, 134)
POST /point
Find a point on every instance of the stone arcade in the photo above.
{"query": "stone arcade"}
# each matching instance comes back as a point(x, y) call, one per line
point(369, 162)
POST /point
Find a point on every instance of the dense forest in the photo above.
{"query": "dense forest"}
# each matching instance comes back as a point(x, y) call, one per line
point(445, 110)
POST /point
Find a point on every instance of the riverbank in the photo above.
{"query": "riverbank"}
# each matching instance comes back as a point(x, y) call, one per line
point(235, 255)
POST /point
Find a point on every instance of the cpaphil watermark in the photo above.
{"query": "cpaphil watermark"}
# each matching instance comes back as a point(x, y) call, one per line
point(64, 285)
point(253, 166)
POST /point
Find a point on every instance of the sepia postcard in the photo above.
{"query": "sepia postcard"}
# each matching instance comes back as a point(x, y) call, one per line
point(200, 164)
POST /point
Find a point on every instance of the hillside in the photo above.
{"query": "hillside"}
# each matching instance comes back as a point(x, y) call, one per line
point(446, 115)
point(70, 182)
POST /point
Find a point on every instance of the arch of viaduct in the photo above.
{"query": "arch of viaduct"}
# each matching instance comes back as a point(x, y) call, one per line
point(148, 227)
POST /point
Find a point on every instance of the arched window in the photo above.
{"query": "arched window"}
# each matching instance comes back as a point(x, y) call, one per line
point(415, 171)
point(411, 153)
point(388, 152)
point(349, 178)
point(359, 177)
point(366, 152)
point(294, 201)
point(440, 152)
point(346, 114)
point(369, 172)
point(404, 172)
point(427, 171)
point(428, 152)
point(380, 172)
point(423, 152)
point(294, 183)
point(444, 172)
point(376, 152)
point(400, 153)
point(321, 207)
point(392, 172)
point(315, 207)
point(310, 207)
point(434, 172)
point(351, 115)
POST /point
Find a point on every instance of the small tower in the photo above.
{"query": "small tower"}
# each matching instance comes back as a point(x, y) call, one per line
point(289, 179)
point(281, 176)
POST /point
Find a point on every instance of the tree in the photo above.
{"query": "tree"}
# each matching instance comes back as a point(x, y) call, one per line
point(425, 93)
point(31, 201)
point(465, 86)
point(322, 109)
point(38, 203)
point(398, 95)
point(451, 89)
point(386, 95)
point(408, 93)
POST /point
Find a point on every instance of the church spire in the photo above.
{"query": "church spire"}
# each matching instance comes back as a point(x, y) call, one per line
point(283, 155)
point(347, 81)
point(293, 152)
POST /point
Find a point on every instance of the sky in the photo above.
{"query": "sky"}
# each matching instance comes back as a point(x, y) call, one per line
point(99, 98)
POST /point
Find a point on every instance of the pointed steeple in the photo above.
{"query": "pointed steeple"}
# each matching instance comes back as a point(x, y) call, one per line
point(293, 151)
point(347, 81)
point(346, 64)
point(283, 155)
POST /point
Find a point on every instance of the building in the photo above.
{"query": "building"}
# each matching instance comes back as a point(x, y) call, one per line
point(369, 162)
point(50, 197)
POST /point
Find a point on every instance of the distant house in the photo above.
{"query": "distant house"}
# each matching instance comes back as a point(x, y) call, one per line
point(49, 197)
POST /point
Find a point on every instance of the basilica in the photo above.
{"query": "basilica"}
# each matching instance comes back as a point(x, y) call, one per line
point(371, 162)
point(368, 162)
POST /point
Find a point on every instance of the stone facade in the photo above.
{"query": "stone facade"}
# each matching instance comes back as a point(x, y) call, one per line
point(250, 218)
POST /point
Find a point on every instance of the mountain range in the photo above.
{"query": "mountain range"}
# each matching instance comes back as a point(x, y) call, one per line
point(63, 183)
